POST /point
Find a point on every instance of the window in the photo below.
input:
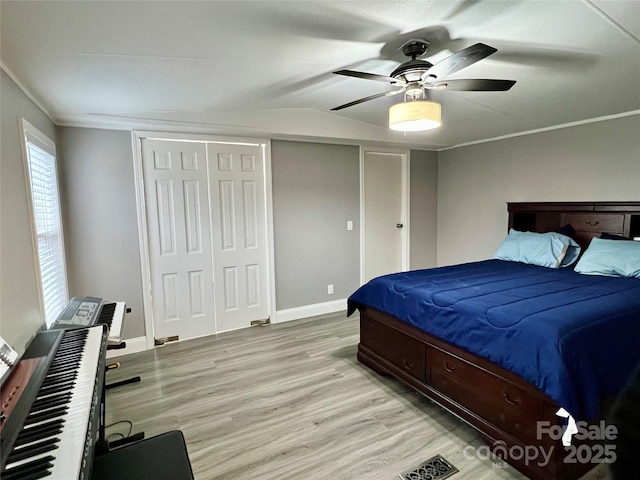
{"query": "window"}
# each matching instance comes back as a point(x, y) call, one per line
point(46, 224)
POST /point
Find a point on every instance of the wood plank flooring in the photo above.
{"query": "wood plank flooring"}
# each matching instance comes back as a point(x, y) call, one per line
point(290, 401)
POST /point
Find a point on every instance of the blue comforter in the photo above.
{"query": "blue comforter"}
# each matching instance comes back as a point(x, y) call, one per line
point(575, 337)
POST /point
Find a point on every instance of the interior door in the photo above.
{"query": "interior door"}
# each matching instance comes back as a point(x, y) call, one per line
point(177, 211)
point(238, 217)
point(384, 222)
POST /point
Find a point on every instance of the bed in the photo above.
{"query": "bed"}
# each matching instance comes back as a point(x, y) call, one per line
point(504, 345)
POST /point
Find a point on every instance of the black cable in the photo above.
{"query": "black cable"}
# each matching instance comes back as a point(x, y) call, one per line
point(118, 433)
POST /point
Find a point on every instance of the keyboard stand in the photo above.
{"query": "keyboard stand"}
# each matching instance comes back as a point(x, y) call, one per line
point(127, 381)
point(117, 346)
point(132, 438)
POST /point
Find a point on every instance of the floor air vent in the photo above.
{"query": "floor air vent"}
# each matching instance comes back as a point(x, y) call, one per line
point(436, 468)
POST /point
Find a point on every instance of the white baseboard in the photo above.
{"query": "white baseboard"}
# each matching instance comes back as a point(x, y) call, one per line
point(310, 310)
point(134, 345)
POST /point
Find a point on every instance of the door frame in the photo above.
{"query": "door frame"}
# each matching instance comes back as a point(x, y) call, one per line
point(136, 138)
point(405, 217)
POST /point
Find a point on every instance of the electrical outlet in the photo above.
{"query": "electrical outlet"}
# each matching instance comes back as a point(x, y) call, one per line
point(330, 289)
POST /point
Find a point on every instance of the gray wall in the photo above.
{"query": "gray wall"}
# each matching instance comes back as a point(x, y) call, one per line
point(20, 315)
point(595, 161)
point(423, 206)
point(315, 193)
point(99, 210)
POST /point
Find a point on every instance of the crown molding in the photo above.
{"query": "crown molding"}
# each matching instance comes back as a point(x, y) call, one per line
point(545, 129)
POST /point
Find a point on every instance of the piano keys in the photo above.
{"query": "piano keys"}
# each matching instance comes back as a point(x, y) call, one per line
point(112, 315)
point(58, 419)
point(83, 312)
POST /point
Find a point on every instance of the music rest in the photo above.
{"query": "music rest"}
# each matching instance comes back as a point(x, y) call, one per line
point(163, 457)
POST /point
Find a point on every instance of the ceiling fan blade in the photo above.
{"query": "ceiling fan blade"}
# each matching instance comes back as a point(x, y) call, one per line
point(459, 60)
point(371, 97)
point(474, 85)
point(369, 76)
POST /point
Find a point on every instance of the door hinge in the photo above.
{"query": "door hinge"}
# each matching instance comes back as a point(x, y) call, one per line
point(162, 341)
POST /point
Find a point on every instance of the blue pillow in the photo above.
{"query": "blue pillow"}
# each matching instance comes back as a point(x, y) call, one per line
point(545, 249)
point(618, 258)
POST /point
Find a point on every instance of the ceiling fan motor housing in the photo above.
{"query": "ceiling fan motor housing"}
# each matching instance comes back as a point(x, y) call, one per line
point(412, 70)
point(415, 47)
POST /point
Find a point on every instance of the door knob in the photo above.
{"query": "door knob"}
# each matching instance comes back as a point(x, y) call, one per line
point(399, 225)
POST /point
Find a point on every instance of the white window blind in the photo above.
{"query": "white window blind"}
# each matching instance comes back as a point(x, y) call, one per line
point(46, 221)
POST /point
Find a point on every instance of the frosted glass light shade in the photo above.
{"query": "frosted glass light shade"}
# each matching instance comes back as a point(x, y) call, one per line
point(414, 116)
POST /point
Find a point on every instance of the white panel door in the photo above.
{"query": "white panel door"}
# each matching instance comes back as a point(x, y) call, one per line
point(384, 218)
point(238, 219)
point(177, 212)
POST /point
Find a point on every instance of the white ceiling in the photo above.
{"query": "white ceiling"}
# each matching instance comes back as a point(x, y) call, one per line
point(265, 68)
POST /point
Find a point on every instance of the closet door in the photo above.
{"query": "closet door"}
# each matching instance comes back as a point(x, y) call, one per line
point(179, 241)
point(238, 219)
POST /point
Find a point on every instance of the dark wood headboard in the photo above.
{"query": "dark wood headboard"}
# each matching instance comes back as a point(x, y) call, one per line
point(589, 219)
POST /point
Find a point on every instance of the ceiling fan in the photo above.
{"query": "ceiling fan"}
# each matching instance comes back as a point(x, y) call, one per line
point(415, 77)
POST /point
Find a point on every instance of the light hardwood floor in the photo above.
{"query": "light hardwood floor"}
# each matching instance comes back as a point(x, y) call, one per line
point(290, 401)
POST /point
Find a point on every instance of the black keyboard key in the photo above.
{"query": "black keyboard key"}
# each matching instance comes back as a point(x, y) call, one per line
point(39, 432)
point(33, 470)
point(32, 450)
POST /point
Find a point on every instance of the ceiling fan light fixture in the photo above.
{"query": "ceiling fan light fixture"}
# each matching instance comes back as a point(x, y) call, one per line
point(415, 116)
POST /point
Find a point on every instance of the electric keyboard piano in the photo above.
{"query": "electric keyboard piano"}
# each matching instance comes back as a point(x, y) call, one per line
point(83, 312)
point(57, 411)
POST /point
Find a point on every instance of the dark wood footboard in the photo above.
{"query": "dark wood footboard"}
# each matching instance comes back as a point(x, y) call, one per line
point(503, 407)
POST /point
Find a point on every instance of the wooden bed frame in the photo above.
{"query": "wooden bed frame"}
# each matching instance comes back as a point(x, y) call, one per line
point(502, 406)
